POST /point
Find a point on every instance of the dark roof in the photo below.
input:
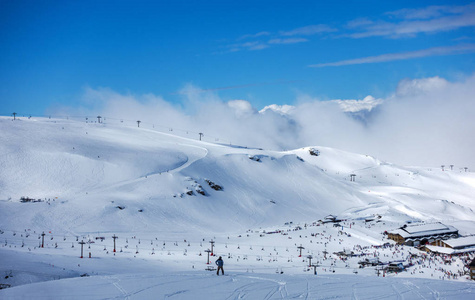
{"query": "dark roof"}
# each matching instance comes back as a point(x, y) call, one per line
point(472, 264)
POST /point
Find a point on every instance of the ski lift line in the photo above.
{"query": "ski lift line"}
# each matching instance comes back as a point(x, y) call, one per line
point(145, 240)
point(98, 248)
point(94, 235)
point(148, 123)
point(92, 244)
point(105, 117)
point(222, 141)
point(60, 240)
point(158, 125)
point(19, 115)
point(168, 127)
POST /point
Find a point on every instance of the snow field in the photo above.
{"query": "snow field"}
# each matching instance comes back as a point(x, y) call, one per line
point(97, 180)
point(240, 286)
point(263, 250)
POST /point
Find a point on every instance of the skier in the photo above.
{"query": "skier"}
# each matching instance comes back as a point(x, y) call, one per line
point(219, 262)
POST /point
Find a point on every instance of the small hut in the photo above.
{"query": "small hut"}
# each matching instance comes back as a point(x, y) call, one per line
point(330, 219)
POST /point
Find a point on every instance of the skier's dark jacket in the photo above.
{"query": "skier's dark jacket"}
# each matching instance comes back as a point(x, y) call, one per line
point(219, 262)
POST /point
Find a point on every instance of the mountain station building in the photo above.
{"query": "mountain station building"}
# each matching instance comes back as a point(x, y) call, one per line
point(460, 245)
point(422, 233)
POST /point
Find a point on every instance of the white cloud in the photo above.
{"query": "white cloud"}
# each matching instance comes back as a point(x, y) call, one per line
point(256, 35)
point(280, 109)
point(260, 44)
point(254, 45)
point(288, 41)
point(426, 121)
point(347, 105)
point(309, 30)
point(353, 106)
point(250, 46)
point(431, 11)
point(436, 51)
point(427, 20)
point(257, 43)
point(402, 23)
point(414, 87)
point(242, 108)
point(359, 23)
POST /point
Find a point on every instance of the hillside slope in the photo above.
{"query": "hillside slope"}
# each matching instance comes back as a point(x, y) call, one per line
point(109, 177)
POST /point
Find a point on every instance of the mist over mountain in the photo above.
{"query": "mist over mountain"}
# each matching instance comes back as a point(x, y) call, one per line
point(425, 122)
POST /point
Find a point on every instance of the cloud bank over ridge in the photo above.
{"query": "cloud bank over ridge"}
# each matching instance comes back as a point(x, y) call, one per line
point(426, 122)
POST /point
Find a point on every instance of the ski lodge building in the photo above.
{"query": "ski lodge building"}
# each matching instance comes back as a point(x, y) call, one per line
point(420, 234)
point(466, 242)
point(453, 246)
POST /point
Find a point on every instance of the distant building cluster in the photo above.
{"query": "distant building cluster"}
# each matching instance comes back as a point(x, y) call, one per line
point(433, 237)
point(436, 238)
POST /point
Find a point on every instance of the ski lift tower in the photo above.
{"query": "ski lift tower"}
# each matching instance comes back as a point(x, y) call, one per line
point(309, 260)
point(114, 237)
point(43, 239)
point(314, 268)
point(300, 248)
point(82, 245)
point(208, 251)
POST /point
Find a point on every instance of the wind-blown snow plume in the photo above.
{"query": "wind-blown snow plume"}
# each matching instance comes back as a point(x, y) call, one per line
point(426, 121)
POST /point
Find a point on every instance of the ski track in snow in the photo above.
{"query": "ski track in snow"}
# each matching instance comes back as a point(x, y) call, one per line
point(115, 281)
point(241, 286)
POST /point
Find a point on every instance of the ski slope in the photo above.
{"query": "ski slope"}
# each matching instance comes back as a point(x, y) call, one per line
point(241, 286)
point(155, 191)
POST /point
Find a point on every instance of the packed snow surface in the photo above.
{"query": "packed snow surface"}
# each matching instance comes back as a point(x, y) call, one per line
point(166, 197)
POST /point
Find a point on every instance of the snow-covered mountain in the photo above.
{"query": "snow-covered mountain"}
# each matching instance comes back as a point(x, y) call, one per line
point(89, 169)
point(113, 177)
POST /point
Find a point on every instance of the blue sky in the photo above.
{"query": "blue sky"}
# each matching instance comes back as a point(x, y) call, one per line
point(265, 52)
